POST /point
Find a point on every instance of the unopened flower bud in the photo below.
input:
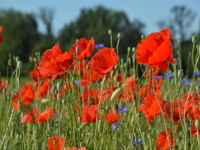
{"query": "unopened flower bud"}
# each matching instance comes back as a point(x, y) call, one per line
point(117, 93)
point(31, 59)
point(193, 39)
point(59, 86)
point(19, 64)
point(180, 73)
point(133, 49)
point(110, 32)
point(44, 100)
point(118, 35)
point(16, 59)
point(197, 123)
point(142, 37)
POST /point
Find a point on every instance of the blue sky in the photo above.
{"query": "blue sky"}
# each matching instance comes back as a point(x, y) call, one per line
point(148, 11)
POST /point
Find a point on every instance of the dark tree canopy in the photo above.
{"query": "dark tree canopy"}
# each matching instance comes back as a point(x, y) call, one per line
point(19, 35)
point(96, 22)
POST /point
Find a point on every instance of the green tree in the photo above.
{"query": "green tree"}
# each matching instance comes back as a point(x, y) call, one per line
point(19, 35)
point(95, 22)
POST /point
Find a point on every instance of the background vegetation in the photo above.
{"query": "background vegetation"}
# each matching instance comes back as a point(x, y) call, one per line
point(21, 36)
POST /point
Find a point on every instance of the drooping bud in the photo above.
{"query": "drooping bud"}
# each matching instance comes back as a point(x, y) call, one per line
point(118, 35)
point(117, 93)
point(110, 32)
point(19, 64)
point(193, 39)
point(180, 73)
point(197, 123)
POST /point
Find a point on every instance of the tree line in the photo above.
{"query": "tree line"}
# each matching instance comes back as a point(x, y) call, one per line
point(21, 36)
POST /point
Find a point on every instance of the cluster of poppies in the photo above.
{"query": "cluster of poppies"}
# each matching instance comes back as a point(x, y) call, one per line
point(155, 51)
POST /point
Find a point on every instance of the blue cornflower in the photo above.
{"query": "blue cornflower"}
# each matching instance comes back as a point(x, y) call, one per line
point(77, 82)
point(171, 75)
point(184, 80)
point(138, 142)
point(188, 83)
point(197, 74)
point(115, 126)
point(122, 109)
point(98, 46)
point(165, 76)
point(198, 83)
point(157, 77)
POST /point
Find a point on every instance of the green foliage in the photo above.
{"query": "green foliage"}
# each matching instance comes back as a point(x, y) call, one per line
point(19, 35)
point(94, 22)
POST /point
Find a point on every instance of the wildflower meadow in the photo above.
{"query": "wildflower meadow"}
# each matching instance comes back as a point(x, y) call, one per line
point(88, 98)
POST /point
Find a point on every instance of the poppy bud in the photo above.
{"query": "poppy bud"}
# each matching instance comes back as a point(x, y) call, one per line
point(44, 100)
point(142, 37)
point(110, 32)
point(193, 39)
point(31, 59)
point(34, 60)
point(197, 123)
point(180, 73)
point(16, 59)
point(133, 49)
point(118, 35)
point(19, 64)
point(9, 62)
point(59, 86)
point(117, 92)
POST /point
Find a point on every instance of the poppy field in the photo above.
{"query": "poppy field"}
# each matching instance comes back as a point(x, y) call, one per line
point(88, 98)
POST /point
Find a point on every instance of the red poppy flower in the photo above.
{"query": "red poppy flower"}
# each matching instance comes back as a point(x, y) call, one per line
point(119, 77)
point(54, 63)
point(93, 94)
point(43, 88)
point(152, 85)
point(80, 67)
point(151, 105)
point(90, 77)
point(89, 114)
point(183, 107)
point(35, 74)
point(104, 60)
point(3, 84)
point(155, 50)
point(28, 118)
point(74, 148)
point(85, 48)
point(56, 143)
point(107, 92)
point(149, 73)
point(0, 34)
point(112, 117)
point(195, 132)
point(46, 115)
point(165, 140)
point(26, 95)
